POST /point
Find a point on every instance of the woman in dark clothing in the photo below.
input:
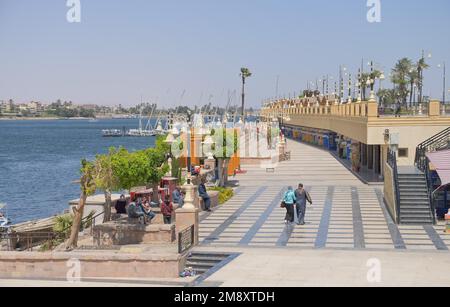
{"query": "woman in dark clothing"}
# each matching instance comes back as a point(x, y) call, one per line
point(121, 205)
point(167, 210)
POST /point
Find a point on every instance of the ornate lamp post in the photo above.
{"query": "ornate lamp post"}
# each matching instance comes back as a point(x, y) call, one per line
point(359, 83)
point(349, 88)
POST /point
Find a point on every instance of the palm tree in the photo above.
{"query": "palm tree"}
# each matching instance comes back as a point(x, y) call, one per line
point(363, 83)
point(400, 77)
point(421, 66)
point(245, 73)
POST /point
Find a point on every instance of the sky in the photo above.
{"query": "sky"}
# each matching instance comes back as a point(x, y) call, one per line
point(159, 49)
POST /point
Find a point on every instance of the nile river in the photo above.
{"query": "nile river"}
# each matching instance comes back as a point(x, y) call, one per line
point(39, 160)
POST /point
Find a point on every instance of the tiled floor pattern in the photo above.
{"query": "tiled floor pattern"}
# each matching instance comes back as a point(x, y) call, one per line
point(346, 214)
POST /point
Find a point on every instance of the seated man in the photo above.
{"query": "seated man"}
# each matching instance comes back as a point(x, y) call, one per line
point(204, 195)
point(178, 197)
point(146, 208)
point(136, 211)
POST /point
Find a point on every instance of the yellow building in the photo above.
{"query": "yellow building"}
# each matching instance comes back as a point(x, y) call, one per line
point(358, 126)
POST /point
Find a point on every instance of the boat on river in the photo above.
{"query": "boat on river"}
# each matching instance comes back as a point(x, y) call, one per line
point(113, 132)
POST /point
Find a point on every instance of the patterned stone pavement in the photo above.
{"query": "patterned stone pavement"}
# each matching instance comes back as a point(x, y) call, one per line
point(346, 214)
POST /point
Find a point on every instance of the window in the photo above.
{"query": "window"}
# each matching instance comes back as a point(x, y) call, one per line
point(403, 152)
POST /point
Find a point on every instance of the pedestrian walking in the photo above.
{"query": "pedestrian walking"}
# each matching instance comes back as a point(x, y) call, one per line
point(288, 203)
point(398, 109)
point(302, 196)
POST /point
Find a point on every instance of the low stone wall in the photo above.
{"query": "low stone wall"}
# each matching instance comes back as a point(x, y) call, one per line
point(125, 231)
point(214, 195)
point(25, 265)
point(389, 191)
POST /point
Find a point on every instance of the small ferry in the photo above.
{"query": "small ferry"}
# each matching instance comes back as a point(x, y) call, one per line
point(113, 133)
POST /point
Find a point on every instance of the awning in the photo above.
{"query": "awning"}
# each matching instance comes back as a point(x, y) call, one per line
point(441, 162)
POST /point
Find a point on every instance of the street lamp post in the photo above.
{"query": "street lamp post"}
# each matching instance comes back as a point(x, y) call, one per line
point(359, 85)
point(444, 82)
point(349, 88)
point(341, 83)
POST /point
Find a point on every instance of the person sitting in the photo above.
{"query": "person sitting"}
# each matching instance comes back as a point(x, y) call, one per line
point(204, 195)
point(121, 205)
point(178, 197)
point(146, 209)
point(167, 210)
point(135, 212)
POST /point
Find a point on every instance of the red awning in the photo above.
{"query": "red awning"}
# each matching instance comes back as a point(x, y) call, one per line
point(441, 161)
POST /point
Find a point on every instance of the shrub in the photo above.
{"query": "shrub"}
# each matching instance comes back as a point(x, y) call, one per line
point(225, 194)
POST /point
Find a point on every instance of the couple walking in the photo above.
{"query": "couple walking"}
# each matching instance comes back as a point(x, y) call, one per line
point(297, 198)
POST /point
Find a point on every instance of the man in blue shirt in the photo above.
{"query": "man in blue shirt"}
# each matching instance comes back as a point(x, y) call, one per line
point(178, 197)
point(204, 195)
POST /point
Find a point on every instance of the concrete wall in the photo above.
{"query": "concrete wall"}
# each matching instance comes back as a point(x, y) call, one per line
point(389, 191)
point(411, 131)
point(93, 265)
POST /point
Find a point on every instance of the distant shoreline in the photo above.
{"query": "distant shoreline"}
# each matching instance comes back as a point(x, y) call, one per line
point(56, 118)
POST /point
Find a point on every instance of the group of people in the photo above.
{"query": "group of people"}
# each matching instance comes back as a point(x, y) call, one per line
point(141, 208)
point(297, 199)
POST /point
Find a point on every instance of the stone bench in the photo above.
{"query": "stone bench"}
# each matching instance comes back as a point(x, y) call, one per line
point(214, 195)
point(129, 231)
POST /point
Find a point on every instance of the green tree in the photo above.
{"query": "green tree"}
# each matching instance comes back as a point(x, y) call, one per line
point(157, 165)
point(245, 73)
point(130, 168)
point(87, 186)
point(226, 144)
point(387, 96)
point(106, 180)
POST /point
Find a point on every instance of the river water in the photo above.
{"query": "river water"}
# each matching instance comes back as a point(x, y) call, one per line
point(39, 160)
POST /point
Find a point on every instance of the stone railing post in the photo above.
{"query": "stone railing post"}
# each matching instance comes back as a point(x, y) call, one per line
point(372, 109)
point(434, 108)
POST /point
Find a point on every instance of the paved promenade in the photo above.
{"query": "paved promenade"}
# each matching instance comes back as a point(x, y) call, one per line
point(346, 214)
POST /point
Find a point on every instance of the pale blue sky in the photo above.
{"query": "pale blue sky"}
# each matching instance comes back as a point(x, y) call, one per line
point(159, 48)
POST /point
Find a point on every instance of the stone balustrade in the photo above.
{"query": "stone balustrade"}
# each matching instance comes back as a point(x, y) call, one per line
point(365, 109)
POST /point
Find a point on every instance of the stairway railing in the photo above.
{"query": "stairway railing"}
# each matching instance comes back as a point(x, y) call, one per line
point(392, 161)
point(430, 190)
